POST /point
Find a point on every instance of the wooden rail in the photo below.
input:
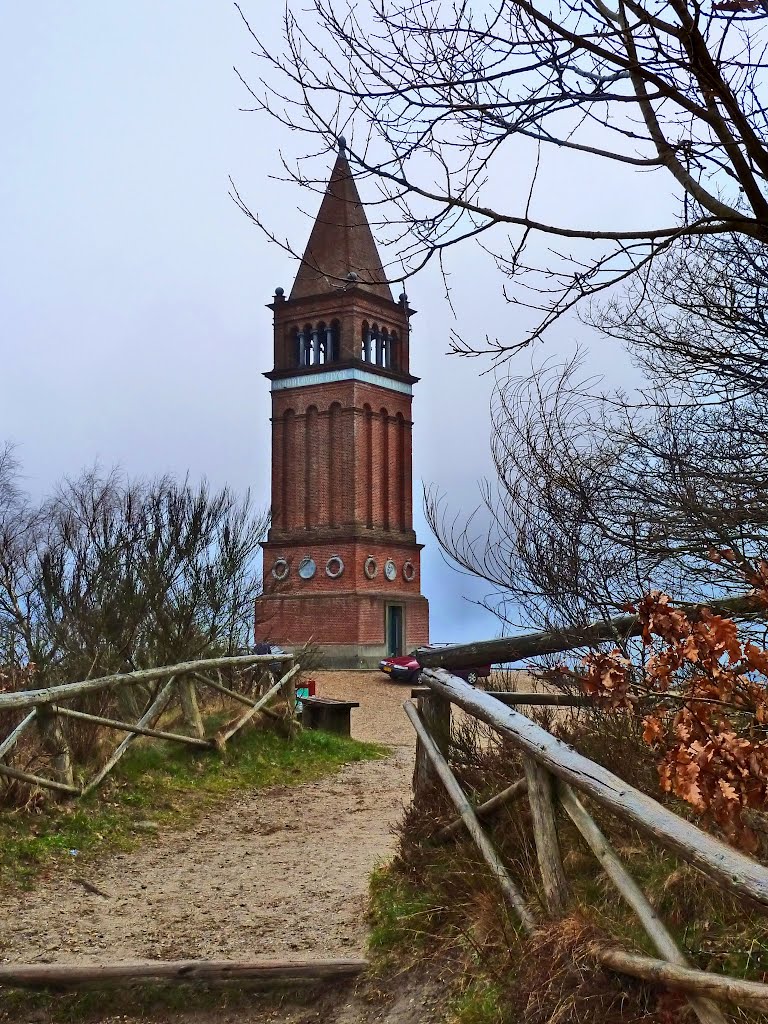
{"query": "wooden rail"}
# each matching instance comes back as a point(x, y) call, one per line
point(54, 694)
point(49, 713)
point(728, 867)
point(553, 772)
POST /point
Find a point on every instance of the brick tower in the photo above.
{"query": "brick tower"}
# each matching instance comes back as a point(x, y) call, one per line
point(341, 562)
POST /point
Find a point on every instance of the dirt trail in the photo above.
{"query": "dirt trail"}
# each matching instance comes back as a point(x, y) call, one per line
point(280, 872)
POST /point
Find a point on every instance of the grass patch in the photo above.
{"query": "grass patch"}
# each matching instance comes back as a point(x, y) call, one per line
point(401, 916)
point(136, 1002)
point(168, 785)
point(481, 1002)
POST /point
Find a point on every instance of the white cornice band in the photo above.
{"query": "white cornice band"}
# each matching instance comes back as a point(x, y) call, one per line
point(350, 373)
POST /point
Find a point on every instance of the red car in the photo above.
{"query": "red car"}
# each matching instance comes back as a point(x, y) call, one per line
point(405, 669)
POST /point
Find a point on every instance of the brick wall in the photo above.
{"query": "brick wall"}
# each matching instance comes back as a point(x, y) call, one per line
point(341, 483)
point(343, 619)
point(353, 310)
point(353, 605)
point(341, 455)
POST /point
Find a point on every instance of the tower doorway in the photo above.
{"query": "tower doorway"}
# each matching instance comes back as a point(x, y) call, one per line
point(394, 630)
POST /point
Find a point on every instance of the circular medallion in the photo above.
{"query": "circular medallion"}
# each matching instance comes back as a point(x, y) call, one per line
point(390, 569)
point(334, 567)
point(409, 571)
point(370, 568)
point(307, 568)
point(280, 569)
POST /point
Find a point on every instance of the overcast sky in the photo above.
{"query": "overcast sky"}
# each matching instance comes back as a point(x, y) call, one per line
point(133, 290)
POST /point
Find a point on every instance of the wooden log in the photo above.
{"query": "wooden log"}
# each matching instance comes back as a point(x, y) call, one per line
point(729, 868)
point(37, 780)
point(547, 700)
point(751, 995)
point(13, 736)
point(191, 712)
point(240, 697)
point(484, 810)
point(220, 688)
point(153, 711)
point(436, 715)
point(631, 892)
point(545, 835)
point(139, 730)
point(531, 645)
point(56, 745)
point(279, 685)
point(55, 694)
point(513, 697)
point(463, 806)
point(266, 972)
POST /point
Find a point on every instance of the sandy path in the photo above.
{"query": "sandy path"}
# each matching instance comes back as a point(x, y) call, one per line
point(281, 872)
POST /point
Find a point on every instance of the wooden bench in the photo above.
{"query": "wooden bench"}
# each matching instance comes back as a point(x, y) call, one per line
point(327, 714)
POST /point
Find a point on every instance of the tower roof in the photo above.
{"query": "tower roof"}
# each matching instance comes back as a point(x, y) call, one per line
point(341, 242)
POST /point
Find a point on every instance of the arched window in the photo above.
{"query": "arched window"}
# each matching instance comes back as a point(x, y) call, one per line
point(296, 345)
point(365, 348)
point(385, 349)
point(394, 351)
point(334, 342)
point(306, 345)
point(320, 344)
point(315, 345)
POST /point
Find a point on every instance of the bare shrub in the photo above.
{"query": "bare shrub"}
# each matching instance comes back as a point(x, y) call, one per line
point(111, 575)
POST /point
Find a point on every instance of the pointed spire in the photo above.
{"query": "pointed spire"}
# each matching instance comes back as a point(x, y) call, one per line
point(341, 243)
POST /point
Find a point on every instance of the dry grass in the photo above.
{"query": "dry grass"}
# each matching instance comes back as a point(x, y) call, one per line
point(449, 908)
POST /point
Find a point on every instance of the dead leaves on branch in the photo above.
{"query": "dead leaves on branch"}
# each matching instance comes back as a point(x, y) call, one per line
point(709, 692)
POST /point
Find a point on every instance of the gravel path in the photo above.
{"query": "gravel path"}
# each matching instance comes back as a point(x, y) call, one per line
point(280, 872)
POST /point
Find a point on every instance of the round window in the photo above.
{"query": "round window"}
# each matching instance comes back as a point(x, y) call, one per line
point(280, 569)
point(390, 569)
point(409, 571)
point(307, 568)
point(370, 568)
point(334, 567)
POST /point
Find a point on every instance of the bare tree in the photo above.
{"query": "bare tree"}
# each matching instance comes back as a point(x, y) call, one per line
point(111, 574)
point(698, 319)
point(596, 501)
point(440, 100)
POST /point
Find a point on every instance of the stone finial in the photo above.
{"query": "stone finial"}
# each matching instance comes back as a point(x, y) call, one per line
point(342, 145)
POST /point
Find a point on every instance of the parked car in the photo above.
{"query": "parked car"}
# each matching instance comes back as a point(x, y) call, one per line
point(405, 669)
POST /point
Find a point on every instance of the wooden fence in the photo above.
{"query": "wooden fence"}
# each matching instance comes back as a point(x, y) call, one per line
point(555, 777)
point(47, 710)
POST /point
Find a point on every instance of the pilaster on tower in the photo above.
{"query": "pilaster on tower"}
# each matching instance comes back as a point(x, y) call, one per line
point(341, 563)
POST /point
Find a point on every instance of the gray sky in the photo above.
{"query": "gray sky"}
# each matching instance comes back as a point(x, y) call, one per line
point(133, 290)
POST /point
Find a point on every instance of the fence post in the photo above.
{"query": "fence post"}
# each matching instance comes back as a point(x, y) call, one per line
point(289, 695)
point(435, 712)
point(54, 741)
point(541, 800)
point(190, 711)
